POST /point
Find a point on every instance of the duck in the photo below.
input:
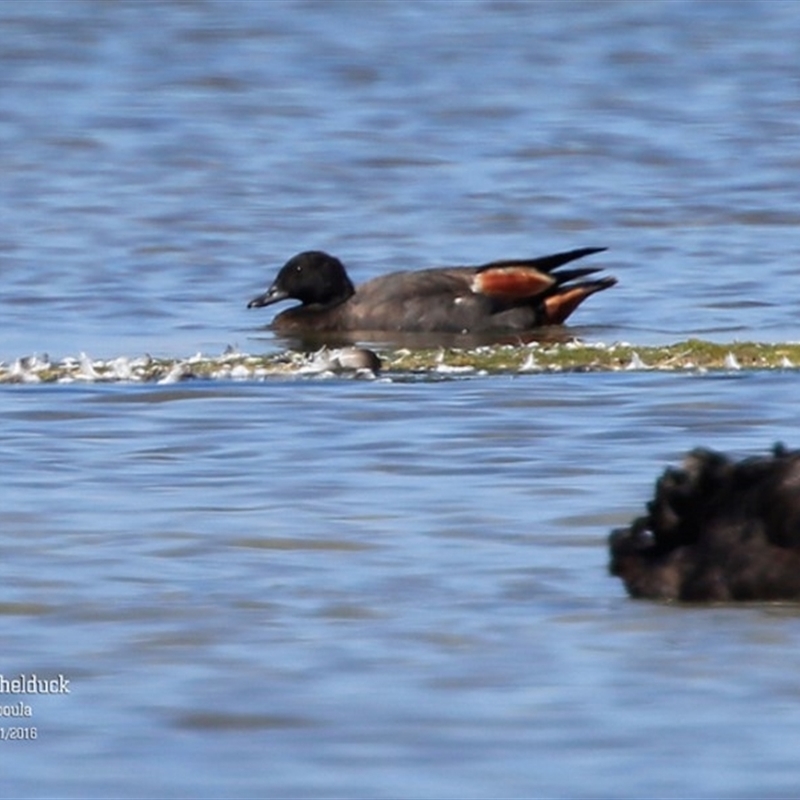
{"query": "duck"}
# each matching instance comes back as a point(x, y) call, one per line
point(717, 530)
point(499, 297)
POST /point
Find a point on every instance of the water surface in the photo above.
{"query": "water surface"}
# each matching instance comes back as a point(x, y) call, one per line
point(333, 587)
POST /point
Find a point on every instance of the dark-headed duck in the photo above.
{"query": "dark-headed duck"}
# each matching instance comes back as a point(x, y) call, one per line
point(500, 297)
point(716, 530)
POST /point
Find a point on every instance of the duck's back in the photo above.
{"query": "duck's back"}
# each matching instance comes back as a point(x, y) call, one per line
point(431, 300)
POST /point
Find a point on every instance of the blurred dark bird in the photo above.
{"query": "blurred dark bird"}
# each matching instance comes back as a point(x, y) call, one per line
point(716, 530)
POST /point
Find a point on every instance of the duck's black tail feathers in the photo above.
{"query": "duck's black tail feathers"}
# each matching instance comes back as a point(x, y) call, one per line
point(546, 263)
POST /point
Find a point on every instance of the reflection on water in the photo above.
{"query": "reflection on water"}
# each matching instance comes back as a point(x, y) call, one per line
point(417, 341)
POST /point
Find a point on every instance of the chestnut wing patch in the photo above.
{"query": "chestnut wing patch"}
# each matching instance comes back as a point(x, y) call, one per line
point(512, 282)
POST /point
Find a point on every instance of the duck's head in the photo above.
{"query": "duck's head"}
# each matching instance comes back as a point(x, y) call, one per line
point(312, 277)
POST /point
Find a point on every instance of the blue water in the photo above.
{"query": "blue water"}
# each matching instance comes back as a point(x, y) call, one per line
point(305, 587)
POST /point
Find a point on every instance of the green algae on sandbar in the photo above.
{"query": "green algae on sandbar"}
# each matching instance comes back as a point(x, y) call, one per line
point(693, 354)
point(690, 355)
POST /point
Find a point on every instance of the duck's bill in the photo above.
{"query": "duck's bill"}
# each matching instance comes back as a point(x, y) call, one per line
point(272, 295)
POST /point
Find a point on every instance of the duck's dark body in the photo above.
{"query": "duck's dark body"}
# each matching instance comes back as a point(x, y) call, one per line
point(504, 296)
point(717, 530)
